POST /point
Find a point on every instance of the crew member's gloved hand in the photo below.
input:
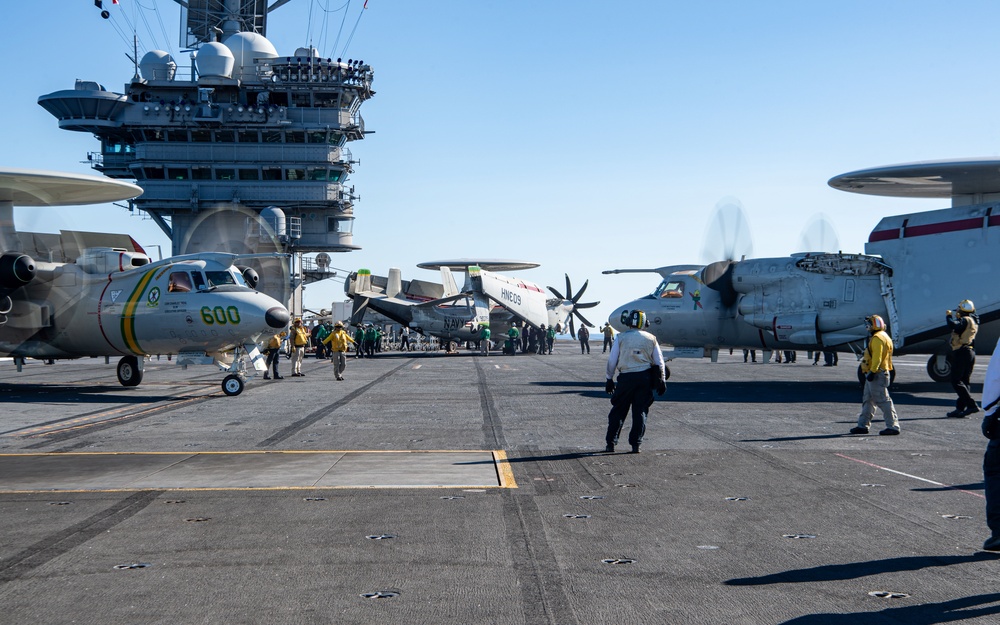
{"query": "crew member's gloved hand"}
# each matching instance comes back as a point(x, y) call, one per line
point(870, 376)
point(991, 426)
point(661, 387)
point(609, 387)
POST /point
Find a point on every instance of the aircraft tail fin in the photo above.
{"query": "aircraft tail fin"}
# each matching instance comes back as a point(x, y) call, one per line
point(395, 285)
point(362, 282)
point(448, 281)
point(358, 310)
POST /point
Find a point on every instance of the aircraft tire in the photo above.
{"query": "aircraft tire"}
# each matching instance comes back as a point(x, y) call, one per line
point(129, 373)
point(939, 374)
point(232, 385)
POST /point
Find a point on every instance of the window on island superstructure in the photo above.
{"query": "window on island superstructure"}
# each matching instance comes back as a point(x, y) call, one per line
point(271, 173)
point(271, 136)
point(249, 136)
point(177, 173)
point(225, 174)
point(317, 136)
point(225, 136)
point(249, 174)
point(295, 174)
point(153, 173)
point(201, 135)
point(295, 136)
point(201, 172)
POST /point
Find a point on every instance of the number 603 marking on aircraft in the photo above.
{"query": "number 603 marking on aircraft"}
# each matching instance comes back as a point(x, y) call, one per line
point(219, 315)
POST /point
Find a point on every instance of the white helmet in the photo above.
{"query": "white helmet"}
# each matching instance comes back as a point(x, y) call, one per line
point(966, 307)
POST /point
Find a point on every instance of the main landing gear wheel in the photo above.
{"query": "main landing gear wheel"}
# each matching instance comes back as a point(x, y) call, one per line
point(939, 368)
point(129, 373)
point(232, 385)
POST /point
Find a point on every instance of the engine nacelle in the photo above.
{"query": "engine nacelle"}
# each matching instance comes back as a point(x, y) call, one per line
point(251, 276)
point(16, 270)
point(796, 328)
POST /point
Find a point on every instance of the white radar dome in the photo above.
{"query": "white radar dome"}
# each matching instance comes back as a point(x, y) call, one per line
point(307, 52)
point(215, 59)
point(157, 65)
point(245, 48)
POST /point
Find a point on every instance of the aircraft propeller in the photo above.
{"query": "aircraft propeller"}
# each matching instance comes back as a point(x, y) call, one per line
point(819, 235)
point(237, 230)
point(574, 304)
point(727, 237)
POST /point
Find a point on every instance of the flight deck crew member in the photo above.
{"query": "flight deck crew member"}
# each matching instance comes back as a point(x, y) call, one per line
point(359, 342)
point(584, 336)
point(514, 336)
point(404, 339)
point(320, 332)
point(609, 336)
point(273, 355)
point(963, 356)
point(991, 460)
point(338, 340)
point(637, 357)
point(300, 338)
point(876, 363)
point(484, 339)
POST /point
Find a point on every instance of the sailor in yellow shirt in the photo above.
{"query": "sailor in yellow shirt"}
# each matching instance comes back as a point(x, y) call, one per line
point(876, 363)
point(299, 339)
point(338, 340)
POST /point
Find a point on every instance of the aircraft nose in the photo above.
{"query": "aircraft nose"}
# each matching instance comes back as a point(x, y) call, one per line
point(276, 317)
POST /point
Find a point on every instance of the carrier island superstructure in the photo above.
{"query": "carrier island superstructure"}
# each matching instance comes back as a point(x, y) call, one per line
point(246, 154)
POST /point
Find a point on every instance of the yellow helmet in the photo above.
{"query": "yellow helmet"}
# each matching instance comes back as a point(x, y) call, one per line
point(875, 323)
point(966, 307)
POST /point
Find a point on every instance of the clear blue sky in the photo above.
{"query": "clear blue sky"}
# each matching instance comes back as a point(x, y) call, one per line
point(581, 135)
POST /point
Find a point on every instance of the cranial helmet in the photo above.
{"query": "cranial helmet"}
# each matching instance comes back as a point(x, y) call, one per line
point(634, 319)
point(966, 307)
point(875, 323)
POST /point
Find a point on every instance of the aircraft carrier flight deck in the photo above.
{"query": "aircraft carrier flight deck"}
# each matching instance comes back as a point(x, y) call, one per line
point(457, 489)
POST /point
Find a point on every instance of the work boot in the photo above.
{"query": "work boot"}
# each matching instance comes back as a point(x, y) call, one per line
point(992, 544)
point(267, 377)
point(956, 414)
point(972, 410)
point(889, 432)
point(859, 430)
point(635, 449)
point(609, 448)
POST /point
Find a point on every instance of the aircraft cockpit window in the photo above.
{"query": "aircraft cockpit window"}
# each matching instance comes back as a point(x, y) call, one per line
point(219, 278)
point(199, 280)
point(670, 288)
point(179, 282)
point(239, 278)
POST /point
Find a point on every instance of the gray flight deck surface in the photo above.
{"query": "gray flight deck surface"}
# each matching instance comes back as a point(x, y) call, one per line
point(434, 489)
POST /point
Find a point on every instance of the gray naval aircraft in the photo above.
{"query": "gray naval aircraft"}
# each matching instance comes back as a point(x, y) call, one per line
point(915, 267)
point(80, 294)
point(487, 298)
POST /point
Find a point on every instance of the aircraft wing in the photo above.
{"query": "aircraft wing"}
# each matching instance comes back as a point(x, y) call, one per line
point(663, 271)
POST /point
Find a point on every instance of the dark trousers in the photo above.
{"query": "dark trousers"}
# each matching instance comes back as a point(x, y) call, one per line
point(633, 391)
point(272, 360)
point(607, 344)
point(991, 479)
point(962, 361)
point(584, 346)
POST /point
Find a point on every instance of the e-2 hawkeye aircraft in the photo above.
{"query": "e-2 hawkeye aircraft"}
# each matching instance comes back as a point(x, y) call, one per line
point(112, 300)
point(487, 298)
point(915, 267)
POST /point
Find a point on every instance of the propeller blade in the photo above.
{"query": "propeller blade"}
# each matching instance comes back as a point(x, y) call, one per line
point(587, 305)
point(576, 298)
point(555, 292)
point(572, 330)
point(582, 318)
